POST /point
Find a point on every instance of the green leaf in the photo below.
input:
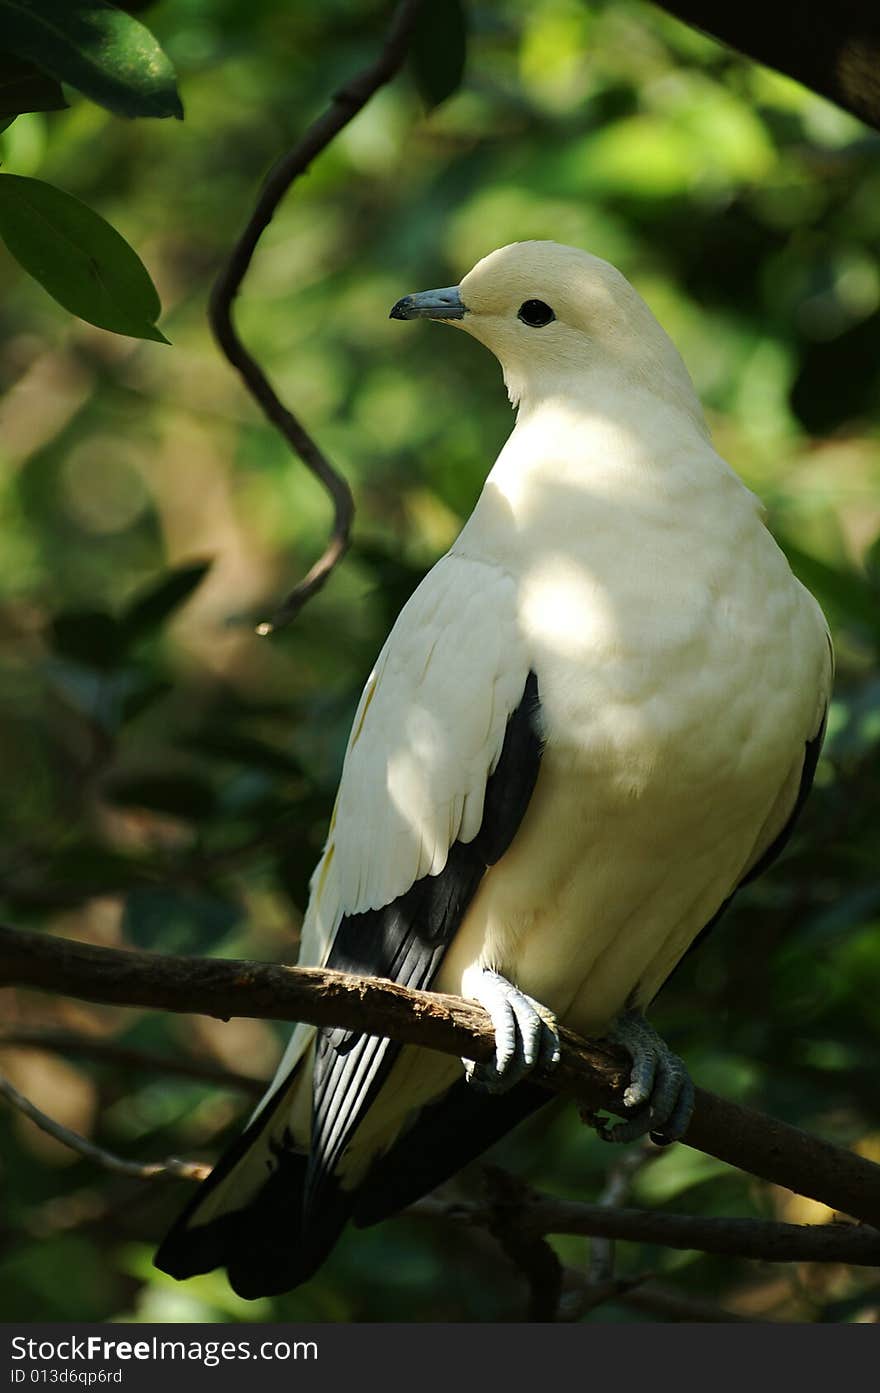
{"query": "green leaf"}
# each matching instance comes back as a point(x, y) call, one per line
point(149, 610)
point(89, 637)
point(439, 50)
point(24, 88)
point(78, 258)
point(97, 49)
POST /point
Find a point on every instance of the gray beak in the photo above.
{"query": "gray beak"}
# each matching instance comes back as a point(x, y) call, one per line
point(431, 304)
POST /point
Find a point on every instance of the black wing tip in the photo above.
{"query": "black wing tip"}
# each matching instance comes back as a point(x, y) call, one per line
point(265, 1247)
point(191, 1250)
point(253, 1271)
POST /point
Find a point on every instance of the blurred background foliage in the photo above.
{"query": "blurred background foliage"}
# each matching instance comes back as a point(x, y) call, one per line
point(168, 775)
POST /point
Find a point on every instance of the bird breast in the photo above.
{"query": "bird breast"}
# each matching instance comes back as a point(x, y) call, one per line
point(680, 671)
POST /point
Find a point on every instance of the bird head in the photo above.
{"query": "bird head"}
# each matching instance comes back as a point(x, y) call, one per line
point(556, 317)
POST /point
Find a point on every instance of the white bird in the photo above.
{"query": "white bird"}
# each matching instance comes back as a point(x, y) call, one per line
point(595, 719)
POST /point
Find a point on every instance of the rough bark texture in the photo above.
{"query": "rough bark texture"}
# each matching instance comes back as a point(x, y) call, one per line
point(593, 1072)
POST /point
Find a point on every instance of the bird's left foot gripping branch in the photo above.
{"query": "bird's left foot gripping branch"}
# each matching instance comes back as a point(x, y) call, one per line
point(596, 718)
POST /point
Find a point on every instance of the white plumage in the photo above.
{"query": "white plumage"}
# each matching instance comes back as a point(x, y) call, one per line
point(428, 730)
point(681, 672)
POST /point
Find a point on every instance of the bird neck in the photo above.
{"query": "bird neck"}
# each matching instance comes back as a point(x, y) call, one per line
point(615, 456)
point(608, 424)
point(640, 392)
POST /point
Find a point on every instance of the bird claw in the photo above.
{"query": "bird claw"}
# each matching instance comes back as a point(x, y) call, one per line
point(526, 1037)
point(660, 1089)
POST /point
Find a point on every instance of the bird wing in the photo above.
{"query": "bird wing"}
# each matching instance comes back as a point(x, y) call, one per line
point(441, 762)
point(427, 733)
point(440, 766)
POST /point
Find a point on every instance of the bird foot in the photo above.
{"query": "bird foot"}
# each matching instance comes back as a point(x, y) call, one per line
point(526, 1037)
point(660, 1088)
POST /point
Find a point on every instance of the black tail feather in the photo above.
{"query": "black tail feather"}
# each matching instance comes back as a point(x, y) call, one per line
point(274, 1242)
point(270, 1250)
point(265, 1245)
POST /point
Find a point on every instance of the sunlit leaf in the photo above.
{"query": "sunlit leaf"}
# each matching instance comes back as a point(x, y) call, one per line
point(639, 156)
point(96, 48)
point(78, 258)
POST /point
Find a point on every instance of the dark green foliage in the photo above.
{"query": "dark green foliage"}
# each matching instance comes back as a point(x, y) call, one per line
point(113, 59)
point(439, 50)
point(106, 54)
point(24, 88)
point(182, 795)
point(149, 610)
point(90, 637)
point(78, 257)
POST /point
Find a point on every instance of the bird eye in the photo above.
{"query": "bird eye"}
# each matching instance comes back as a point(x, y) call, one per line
point(535, 313)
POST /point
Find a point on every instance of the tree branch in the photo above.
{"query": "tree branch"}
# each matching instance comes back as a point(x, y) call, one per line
point(835, 49)
point(594, 1072)
point(507, 1200)
point(169, 1169)
point(617, 1188)
point(766, 1240)
point(344, 106)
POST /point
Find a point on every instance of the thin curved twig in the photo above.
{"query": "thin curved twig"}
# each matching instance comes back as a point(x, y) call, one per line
point(169, 1169)
point(344, 106)
point(617, 1187)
